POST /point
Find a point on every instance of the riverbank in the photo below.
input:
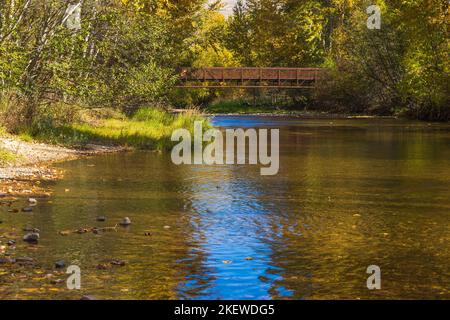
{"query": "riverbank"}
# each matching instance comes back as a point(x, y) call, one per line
point(29, 163)
point(289, 113)
point(26, 159)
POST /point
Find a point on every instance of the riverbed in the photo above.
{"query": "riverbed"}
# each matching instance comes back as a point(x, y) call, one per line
point(350, 193)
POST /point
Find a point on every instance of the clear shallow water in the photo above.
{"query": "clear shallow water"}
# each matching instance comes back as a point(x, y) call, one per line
point(349, 194)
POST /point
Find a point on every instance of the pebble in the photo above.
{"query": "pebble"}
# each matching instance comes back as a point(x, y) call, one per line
point(87, 298)
point(60, 264)
point(24, 260)
point(101, 218)
point(125, 222)
point(13, 210)
point(28, 209)
point(5, 260)
point(116, 262)
point(31, 237)
point(11, 242)
point(56, 281)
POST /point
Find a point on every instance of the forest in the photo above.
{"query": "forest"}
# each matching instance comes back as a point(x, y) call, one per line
point(124, 177)
point(59, 57)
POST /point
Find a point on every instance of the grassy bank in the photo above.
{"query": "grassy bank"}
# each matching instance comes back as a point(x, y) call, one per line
point(148, 128)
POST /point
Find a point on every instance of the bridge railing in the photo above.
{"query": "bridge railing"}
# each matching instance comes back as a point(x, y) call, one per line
point(222, 73)
point(275, 77)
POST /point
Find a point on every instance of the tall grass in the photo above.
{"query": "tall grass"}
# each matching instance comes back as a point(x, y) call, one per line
point(149, 128)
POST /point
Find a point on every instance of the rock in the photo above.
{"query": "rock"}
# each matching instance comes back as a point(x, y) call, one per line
point(227, 261)
point(56, 281)
point(28, 209)
point(148, 234)
point(64, 233)
point(101, 218)
point(116, 262)
point(166, 227)
point(60, 264)
point(32, 201)
point(87, 298)
point(11, 242)
point(32, 237)
point(5, 260)
point(125, 222)
point(13, 210)
point(102, 266)
point(24, 260)
point(28, 229)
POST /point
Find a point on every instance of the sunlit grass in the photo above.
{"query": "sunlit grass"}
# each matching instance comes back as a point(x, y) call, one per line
point(147, 129)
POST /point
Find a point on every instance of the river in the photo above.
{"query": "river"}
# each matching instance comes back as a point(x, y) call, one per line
point(349, 194)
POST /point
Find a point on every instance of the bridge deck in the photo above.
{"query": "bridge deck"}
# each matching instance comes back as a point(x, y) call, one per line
point(244, 77)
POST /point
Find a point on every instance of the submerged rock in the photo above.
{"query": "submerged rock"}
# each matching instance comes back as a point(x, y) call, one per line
point(24, 260)
point(28, 209)
point(102, 266)
point(32, 237)
point(60, 264)
point(87, 298)
point(116, 262)
point(11, 242)
point(125, 222)
point(56, 281)
point(101, 218)
point(5, 260)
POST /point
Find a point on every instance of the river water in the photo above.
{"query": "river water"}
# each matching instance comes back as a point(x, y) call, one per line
point(349, 194)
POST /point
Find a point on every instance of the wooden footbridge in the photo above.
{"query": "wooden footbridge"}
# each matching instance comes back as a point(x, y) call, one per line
point(244, 77)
